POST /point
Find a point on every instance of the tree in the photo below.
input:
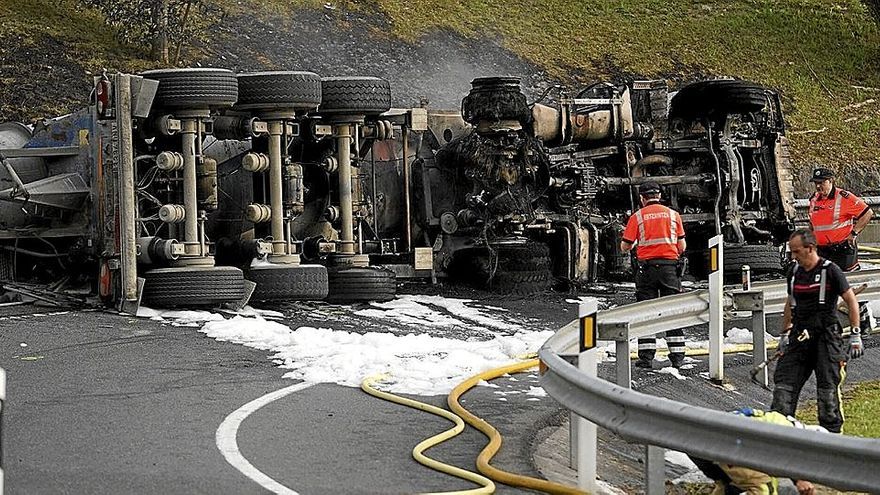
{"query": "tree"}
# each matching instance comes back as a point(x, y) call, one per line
point(160, 24)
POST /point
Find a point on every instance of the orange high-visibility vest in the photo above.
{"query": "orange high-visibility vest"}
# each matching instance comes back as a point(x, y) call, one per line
point(833, 217)
point(655, 229)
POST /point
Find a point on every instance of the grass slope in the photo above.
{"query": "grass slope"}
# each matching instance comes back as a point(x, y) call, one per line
point(48, 50)
point(818, 53)
point(823, 55)
point(860, 406)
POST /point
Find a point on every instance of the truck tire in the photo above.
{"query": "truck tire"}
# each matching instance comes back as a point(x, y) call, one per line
point(194, 87)
point(522, 283)
point(295, 90)
point(762, 259)
point(530, 256)
point(192, 286)
point(357, 284)
point(355, 95)
point(493, 99)
point(522, 269)
point(711, 99)
point(288, 283)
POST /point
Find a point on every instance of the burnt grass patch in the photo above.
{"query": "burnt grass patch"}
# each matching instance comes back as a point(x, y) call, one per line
point(39, 78)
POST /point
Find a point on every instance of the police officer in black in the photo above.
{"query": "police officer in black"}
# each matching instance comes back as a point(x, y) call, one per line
point(813, 339)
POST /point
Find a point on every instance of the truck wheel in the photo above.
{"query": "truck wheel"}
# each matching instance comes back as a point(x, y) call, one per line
point(522, 283)
point(194, 87)
point(279, 90)
point(762, 259)
point(531, 256)
point(709, 99)
point(361, 284)
point(494, 99)
point(355, 95)
point(288, 283)
point(192, 286)
point(523, 269)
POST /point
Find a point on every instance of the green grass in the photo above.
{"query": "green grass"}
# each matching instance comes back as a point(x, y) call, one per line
point(813, 51)
point(860, 406)
point(80, 29)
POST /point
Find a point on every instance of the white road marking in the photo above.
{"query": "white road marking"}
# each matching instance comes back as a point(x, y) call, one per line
point(228, 445)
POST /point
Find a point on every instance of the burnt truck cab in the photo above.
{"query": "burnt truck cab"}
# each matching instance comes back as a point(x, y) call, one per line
point(519, 195)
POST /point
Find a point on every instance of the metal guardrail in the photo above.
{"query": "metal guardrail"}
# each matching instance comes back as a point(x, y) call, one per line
point(842, 462)
point(687, 309)
point(835, 460)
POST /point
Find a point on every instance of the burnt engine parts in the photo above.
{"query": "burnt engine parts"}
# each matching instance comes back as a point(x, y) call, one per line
point(565, 175)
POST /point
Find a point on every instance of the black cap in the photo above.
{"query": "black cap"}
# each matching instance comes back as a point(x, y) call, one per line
point(821, 173)
point(649, 187)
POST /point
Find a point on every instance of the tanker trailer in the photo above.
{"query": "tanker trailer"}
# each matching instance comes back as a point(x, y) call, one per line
point(79, 194)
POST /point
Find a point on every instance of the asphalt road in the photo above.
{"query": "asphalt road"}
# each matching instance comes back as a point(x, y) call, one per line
point(103, 403)
point(99, 402)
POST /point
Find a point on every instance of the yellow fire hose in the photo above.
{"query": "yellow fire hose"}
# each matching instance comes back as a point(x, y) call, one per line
point(869, 249)
point(487, 486)
point(495, 438)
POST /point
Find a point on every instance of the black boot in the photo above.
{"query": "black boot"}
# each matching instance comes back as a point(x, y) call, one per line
point(676, 360)
point(645, 360)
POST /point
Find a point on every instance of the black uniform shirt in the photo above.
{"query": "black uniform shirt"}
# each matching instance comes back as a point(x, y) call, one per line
point(807, 291)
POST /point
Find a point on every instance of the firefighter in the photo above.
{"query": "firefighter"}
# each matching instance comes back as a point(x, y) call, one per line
point(813, 339)
point(737, 479)
point(658, 234)
point(838, 217)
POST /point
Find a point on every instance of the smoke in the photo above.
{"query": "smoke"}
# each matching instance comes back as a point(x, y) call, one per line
point(439, 67)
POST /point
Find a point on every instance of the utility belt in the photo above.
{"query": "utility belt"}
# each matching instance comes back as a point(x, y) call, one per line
point(802, 331)
point(659, 262)
point(843, 248)
point(679, 264)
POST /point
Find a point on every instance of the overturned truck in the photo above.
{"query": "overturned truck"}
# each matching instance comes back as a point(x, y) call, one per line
point(518, 196)
point(186, 187)
point(177, 187)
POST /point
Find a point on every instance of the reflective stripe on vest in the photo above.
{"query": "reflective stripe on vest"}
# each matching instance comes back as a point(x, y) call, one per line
point(645, 242)
point(835, 217)
point(829, 230)
point(823, 279)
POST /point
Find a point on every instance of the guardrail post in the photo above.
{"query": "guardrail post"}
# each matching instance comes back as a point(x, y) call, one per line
point(623, 365)
point(573, 440)
point(2, 407)
point(753, 300)
point(655, 470)
point(759, 324)
point(716, 323)
point(588, 363)
point(655, 457)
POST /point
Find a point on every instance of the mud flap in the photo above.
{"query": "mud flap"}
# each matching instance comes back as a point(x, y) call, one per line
point(132, 307)
point(249, 288)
